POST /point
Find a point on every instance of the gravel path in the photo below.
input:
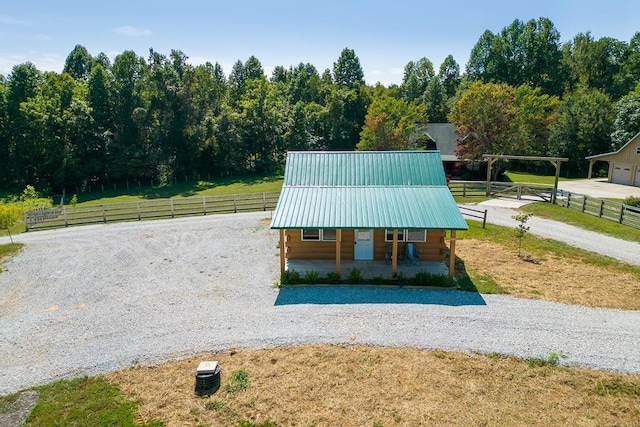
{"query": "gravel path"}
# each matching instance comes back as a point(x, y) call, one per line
point(616, 248)
point(92, 299)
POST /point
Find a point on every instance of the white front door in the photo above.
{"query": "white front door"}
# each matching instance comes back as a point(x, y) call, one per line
point(363, 249)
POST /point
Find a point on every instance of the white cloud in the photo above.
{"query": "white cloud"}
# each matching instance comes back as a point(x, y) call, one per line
point(42, 61)
point(128, 30)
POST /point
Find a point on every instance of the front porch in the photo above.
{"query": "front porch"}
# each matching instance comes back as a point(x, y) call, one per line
point(368, 269)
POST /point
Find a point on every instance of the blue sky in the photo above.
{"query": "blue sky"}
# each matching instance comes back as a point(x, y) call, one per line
point(385, 35)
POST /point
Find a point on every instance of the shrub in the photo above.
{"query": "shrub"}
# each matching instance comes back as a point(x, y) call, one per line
point(355, 276)
point(632, 201)
point(401, 279)
point(312, 277)
point(290, 277)
point(427, 279)
point(378, 280)
point(333, 278)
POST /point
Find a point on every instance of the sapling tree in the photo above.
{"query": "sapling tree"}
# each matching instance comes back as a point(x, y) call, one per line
point(9, 214)
point(521, 229)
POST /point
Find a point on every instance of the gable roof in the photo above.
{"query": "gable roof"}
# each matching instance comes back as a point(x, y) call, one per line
point(600, 156)
point(445, 137)
point(366, 189)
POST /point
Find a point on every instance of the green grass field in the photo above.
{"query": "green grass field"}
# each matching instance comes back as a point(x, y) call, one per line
point(225, 186)
point(528, 178)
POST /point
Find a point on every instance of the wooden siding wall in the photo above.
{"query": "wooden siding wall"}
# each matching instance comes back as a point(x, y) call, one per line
point(431, 250)
point(299, 249)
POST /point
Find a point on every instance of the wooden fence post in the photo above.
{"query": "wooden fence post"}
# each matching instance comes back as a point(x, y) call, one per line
point(235, 204)
point(104, 215)
point(584, 203)
point(64, 214)
point(138, 211)
point(484, 219)
point(621, 218)
point(601, 207)
point(264, 201)
point(172, 212)
point(204, 205)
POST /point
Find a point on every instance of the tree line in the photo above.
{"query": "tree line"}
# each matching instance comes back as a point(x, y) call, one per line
point(523, 92)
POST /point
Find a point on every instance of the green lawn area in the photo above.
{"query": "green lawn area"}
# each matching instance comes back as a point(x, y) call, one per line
point(578, 219)
point(524, 177)
point(224, 186)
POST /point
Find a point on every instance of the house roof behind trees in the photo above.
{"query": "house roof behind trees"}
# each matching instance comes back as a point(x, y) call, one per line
point(445, 137)
point(366, 189)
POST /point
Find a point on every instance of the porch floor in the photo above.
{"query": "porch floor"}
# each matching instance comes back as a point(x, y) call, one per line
point(369, 269)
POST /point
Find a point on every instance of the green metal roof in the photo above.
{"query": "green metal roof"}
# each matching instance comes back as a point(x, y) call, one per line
point(358, 168)
point(386, 189)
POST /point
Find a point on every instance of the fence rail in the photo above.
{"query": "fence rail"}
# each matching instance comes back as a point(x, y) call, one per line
point(66, 216)
point(602, 208)
point(474, 213)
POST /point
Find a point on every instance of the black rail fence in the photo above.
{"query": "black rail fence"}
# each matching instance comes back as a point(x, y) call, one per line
point(474, 213)
point(602, 208)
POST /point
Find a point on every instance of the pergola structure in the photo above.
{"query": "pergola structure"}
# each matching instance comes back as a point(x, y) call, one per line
point(555, 161)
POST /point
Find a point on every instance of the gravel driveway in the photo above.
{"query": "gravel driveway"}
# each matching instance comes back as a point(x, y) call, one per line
point(92, 299)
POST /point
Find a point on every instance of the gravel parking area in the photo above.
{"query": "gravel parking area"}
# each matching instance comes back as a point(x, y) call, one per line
point(93, 299)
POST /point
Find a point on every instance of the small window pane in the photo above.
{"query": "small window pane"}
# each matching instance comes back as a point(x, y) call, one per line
point(364, 235)
point(329, 234)
point(416, 235)
point(638, 150)
point(389, 235)
point(311, 234)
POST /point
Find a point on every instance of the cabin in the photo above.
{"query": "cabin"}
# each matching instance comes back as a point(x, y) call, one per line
point(366, 206)
point(624, 164)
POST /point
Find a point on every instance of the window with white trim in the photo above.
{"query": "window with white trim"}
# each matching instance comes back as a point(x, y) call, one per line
point(311, 234)
point(416, 235)
point(406, 235)
point(638, 150)
point(315, 234)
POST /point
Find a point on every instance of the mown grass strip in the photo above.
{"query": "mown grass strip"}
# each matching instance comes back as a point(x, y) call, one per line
point(586, 221)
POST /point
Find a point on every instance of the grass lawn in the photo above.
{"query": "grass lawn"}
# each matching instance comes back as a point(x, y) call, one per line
point(8, 250)
point(578, 219)
point(523, 177)
point(236, 185)
point(346, 385)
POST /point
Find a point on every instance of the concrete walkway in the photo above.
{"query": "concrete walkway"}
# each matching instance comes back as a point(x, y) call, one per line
point(599, 188)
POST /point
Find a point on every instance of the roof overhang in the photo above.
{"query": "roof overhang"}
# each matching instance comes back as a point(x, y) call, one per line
point(410, 207)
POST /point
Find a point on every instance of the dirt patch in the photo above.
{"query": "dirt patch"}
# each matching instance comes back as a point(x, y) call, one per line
point(550, 277)
point(364, 386)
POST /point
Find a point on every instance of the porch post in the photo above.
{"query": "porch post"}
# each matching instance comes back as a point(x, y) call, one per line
point(394, 254)
point(452, 254)
point(282, 265)
point(338, 239)
point(591, 162)
point(557, 164)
